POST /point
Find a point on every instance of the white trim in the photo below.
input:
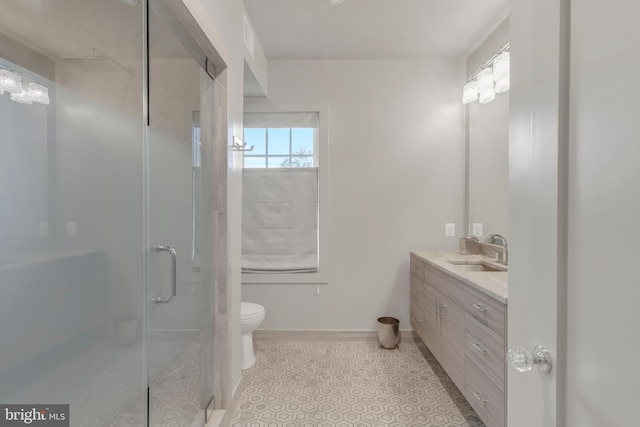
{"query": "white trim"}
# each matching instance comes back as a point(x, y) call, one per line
point(323, 274)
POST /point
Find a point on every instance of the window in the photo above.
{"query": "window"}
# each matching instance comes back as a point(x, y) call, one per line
point(281, 140)
point(285, 203)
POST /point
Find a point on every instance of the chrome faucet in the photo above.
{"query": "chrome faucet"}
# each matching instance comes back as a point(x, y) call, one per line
point(503, 254)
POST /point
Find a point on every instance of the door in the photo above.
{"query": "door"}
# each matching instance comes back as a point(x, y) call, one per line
point(71, 211)
point(604, 209)
point(537, 206)
point(179, 233)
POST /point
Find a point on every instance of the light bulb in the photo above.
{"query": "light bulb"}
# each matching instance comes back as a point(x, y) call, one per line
point(501, 66)
point(487, 96)
point(9, 81)
point(21, 96)
point(501, 73)
point(485, 80)
point(503, 85)
point(38, 93)
point(470, 92)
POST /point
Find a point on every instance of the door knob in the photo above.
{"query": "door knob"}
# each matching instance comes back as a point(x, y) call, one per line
point(523, 360)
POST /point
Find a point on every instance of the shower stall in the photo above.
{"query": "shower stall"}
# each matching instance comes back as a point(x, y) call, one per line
point(112, 199)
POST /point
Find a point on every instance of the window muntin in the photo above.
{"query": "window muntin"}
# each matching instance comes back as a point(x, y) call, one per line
point(281, 147)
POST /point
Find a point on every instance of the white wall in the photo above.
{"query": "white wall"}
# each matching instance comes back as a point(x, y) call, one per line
point(396, 175)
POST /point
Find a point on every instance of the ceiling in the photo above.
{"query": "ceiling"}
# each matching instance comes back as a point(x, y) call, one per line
point(373, 29)
point(71, 28)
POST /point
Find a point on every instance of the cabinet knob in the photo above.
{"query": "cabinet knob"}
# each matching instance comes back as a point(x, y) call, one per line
point(521, 359)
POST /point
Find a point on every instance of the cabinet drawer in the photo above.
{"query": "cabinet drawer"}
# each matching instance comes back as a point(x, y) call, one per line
point(485, 309)
point(484, 397)
point(486, 349)
point(416, 266)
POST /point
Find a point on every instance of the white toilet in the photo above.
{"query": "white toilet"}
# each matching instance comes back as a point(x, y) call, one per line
point(251, 316)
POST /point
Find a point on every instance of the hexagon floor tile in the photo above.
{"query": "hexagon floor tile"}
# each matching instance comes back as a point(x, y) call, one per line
point(348, 383)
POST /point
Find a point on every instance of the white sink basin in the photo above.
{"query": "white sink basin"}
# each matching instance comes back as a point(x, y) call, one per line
point(478, 266)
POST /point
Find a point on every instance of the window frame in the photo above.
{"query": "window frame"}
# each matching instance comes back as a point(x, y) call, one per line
point(321, 158)
point(290, 156)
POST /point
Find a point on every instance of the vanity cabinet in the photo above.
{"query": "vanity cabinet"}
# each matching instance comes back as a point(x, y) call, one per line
point(464, 328)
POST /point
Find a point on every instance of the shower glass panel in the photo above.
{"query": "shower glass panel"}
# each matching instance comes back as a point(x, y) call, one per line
point(71, 209)
point(179, 288)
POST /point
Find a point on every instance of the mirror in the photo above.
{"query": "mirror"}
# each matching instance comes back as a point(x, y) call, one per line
point(28, 131)
point(488, 149)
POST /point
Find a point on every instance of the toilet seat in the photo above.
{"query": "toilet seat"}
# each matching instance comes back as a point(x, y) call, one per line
point(249, 310)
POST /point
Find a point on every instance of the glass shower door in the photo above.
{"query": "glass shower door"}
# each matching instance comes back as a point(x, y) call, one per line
point(179, 289)
point(71, 211)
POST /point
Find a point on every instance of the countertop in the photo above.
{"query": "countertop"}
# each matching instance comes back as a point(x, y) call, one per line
point(11, 261)
point(492, 283)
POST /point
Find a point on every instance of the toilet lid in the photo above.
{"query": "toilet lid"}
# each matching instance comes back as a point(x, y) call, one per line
point(249, 309)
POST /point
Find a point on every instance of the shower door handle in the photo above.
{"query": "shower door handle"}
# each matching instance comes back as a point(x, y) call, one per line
point(161, 248)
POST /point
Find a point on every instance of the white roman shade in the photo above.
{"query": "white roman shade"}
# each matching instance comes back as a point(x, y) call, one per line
point(281, 120)
point(280, 220)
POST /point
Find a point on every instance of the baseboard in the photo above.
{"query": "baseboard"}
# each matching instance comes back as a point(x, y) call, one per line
point(321, 334)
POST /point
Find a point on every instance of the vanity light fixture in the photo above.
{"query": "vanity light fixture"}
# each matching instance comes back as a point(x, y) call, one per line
point(33, 92)
point(492, 78)
point(335, 1)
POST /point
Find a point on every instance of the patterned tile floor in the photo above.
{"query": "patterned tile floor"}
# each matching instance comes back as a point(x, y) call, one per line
point(175, 394)
point(104, 384)
point(348, 383)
